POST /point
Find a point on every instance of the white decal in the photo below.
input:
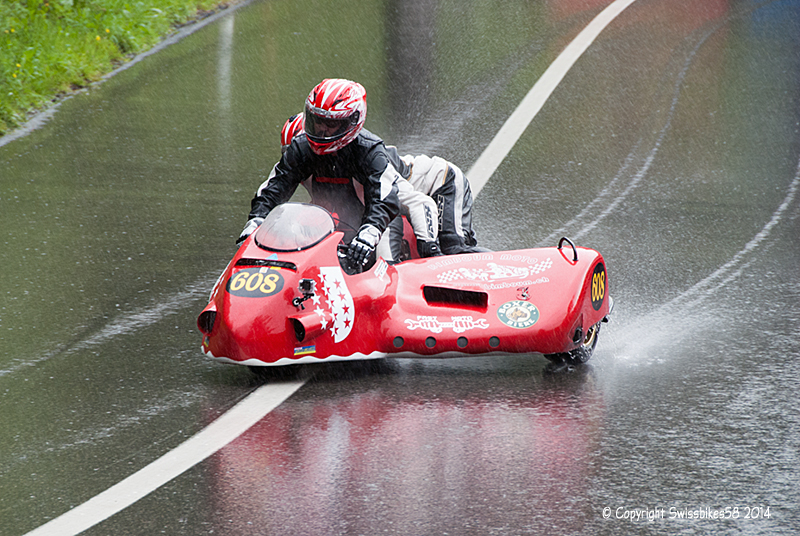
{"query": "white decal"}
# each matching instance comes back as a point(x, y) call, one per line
point(458, 324)
point(380, 268)
point(338, 300)
point(448, 260)
point(513, 284)
point(494, 272)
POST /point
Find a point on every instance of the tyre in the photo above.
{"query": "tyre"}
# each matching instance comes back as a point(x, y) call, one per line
point(582, 353)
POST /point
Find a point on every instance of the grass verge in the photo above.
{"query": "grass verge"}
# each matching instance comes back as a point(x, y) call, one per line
point(49, 48)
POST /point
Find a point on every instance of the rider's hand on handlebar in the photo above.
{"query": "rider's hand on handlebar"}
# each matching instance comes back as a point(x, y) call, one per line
point(251, 226)
point(364, 243)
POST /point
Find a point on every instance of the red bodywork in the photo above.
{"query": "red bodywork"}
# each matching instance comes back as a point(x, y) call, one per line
point(523, 301)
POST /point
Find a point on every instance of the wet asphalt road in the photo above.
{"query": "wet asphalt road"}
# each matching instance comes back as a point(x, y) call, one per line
point(672, 147)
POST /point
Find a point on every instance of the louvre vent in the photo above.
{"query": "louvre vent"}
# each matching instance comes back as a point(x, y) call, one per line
point(453, 297)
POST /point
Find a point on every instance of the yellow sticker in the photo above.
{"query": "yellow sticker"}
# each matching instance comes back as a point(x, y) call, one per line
point(598, 286)
point(255, 283)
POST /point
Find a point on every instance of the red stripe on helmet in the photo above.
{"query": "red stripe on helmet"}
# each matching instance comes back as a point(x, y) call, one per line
point(292, 127)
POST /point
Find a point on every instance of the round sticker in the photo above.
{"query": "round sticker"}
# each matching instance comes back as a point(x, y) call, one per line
point(598, 286)
point(255, 283)
point(518, 314)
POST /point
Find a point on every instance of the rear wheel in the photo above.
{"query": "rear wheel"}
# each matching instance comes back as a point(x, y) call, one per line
point(582, 353)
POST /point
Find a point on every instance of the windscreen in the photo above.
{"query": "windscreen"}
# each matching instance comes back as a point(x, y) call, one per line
point(294, 227)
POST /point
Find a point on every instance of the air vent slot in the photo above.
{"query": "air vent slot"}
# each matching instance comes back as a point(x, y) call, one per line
point(453, 297)
point(267, 262)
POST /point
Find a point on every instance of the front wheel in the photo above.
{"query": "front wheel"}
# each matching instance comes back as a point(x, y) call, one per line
point(582, 353)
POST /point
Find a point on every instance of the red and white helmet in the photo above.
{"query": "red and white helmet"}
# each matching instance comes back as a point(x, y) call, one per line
point(335, 114)
point(292, 127)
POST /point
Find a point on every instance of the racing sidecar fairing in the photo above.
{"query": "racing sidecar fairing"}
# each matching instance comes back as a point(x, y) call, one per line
point(288, 297)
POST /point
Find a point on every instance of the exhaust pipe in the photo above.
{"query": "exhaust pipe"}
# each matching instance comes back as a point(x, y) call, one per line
point(306, 326)
point(206, 320)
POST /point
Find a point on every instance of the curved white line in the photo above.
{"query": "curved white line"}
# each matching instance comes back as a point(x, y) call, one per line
point(515, 125)
point(188, 454)
point(648, 331)
point(562, 231)
point(266, 398)
point(642, 172)
point(127, 322)
point(701, 290)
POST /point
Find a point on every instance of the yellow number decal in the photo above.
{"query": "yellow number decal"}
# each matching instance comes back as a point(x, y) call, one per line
point(255, 283)
point(598, 286)
point(598, 292)
point(238, 281)
point(270, 283)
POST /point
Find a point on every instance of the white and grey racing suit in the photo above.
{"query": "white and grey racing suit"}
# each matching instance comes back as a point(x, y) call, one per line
point(449, 188)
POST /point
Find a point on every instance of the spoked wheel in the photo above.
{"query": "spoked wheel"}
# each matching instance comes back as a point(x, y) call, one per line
point(582, 353)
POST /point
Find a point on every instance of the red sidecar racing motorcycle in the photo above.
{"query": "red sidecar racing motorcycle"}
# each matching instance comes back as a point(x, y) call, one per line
point(289, 296)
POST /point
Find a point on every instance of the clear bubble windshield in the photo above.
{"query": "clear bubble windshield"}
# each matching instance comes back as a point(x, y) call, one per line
point(294, 227)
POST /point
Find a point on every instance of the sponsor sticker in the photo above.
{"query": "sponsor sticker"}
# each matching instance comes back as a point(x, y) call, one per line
point(255, 283)
point(518, 314)
point(458, 324)
point(494, 272)
point(305, 350)
point(598, 286)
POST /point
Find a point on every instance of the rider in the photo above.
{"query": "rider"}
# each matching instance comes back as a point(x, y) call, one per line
point(438, 179)
point(341, 164)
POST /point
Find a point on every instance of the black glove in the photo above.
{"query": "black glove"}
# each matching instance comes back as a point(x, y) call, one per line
point(428, 249)
point(251, 226)
point(363, 245)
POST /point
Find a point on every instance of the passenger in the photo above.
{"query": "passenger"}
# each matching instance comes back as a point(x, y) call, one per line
point(347, 170)
point(449, 187)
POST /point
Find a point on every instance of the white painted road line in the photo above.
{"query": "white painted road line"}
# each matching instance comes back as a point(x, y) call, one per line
point(266, 398)
point(212, 438)
point(515, 125)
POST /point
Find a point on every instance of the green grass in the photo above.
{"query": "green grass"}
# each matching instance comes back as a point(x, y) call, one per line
point(51, 47)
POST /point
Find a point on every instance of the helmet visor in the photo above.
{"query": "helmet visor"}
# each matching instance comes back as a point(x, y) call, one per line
point(325, 129)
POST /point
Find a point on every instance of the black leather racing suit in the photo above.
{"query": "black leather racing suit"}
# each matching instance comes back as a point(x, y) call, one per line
point(363, 183)
point(365, 160)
